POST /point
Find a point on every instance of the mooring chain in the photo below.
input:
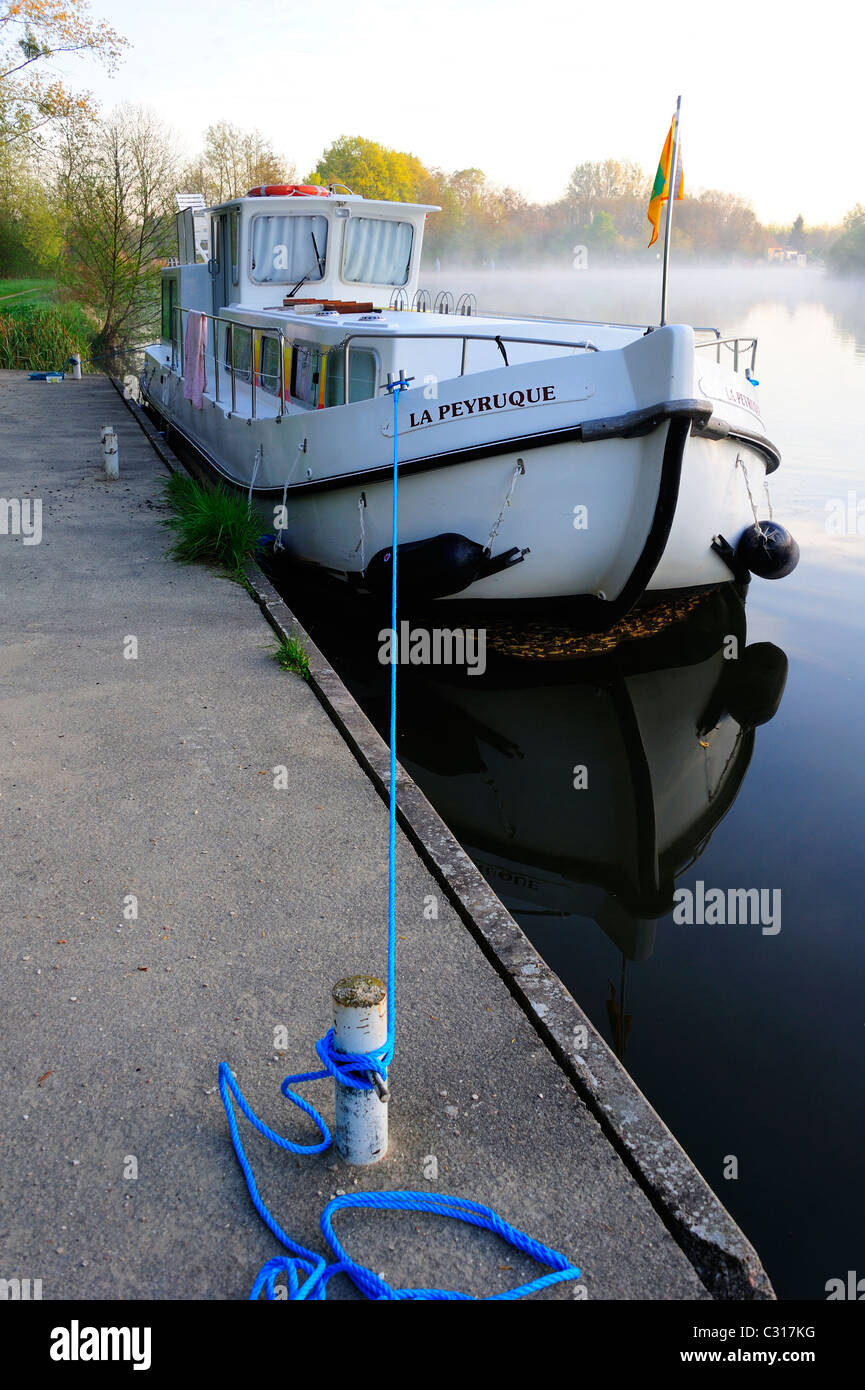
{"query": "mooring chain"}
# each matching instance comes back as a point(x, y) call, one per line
point(740, 463)
point(301, 449)
point(361, 508)
point(519, 468)
point(255, 467)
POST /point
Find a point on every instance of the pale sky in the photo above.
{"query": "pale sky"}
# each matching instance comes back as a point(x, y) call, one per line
point(772, 93)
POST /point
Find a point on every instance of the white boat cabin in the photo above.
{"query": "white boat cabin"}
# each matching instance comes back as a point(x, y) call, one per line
point(312, 298)
point(283, 267)
point(300, 286)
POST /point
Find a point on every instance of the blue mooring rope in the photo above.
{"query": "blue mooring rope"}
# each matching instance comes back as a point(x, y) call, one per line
point(307, 1273)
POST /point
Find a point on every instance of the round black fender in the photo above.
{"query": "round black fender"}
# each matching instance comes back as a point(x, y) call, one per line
point(755, 683)
point(768, 550)
point(430, 568)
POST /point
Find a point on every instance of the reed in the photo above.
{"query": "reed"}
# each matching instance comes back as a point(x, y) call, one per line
point(40, 337)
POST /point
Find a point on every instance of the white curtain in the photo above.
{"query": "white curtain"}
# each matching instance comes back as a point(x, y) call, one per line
point(377, 251)
point(283, 250)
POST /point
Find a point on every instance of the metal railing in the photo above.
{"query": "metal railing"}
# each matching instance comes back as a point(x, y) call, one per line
point(257, 333)
point(465, 338)
point(738, 347)
point(465, 306)
point(230, 364)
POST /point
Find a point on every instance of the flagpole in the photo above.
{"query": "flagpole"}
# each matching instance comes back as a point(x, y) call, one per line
point(671, 198)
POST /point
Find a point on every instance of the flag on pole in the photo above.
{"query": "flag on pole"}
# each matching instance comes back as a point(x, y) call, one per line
point(661, 186)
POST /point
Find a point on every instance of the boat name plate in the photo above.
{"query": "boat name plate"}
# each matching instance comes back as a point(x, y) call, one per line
point(444, 412)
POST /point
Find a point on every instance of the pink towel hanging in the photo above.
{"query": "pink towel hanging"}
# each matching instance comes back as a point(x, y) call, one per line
point(194, 366)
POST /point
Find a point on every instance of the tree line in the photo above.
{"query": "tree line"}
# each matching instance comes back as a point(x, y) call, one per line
point(87, 197)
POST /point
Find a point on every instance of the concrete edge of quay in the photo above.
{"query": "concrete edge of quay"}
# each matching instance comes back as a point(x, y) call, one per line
point(724, 1259)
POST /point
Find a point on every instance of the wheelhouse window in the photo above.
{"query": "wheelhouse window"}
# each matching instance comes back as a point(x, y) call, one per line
point(306, 363)
point(234, 233)
point(169, 304)
point(361, 376)
point(268, 367)
point(377, 251)
point(288, 249)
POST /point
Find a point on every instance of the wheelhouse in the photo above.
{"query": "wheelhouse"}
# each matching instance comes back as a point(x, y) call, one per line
point(285, 264)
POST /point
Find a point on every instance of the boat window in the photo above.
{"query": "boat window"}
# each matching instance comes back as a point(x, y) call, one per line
point(233, 220)
point(361, 376)
point(169, 303)
point(305, 373)
point(377, 251)
point(242, 351)
point(268, 368)
point(284, 249)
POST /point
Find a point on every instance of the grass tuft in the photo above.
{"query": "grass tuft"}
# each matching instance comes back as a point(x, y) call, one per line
point(211, 525)
point(290, 653)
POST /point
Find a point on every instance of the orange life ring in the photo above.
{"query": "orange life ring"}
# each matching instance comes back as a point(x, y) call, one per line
point(288, 190)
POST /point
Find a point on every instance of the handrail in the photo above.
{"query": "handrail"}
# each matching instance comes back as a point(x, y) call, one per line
point(230, 325)
point(732, 344)
point(465, 338)
point(591, 323)
point(499, 339)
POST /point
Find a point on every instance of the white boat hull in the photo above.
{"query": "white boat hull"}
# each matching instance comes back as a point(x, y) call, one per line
point(610, 470)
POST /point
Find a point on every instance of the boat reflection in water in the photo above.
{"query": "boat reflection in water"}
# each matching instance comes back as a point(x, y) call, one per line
point(583, 775)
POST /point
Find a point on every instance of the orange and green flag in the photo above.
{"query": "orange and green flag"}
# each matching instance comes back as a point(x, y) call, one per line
point(661, 186)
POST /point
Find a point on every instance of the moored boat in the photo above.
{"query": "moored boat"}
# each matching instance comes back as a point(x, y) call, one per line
point(539, 459)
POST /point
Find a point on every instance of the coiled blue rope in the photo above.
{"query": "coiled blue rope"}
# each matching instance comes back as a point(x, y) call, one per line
point(307, 1273)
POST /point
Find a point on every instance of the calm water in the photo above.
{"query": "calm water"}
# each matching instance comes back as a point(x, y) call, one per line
point(748, 1043)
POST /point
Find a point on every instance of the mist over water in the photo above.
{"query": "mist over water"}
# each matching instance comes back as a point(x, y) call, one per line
point(699, 293)
point(810, 354)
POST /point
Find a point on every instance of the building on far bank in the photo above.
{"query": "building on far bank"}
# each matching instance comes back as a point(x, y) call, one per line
point(786, 255)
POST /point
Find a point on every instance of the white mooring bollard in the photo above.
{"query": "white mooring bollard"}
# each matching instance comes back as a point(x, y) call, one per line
point(110, 455)
point(76, 367)
point(359, 1025)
